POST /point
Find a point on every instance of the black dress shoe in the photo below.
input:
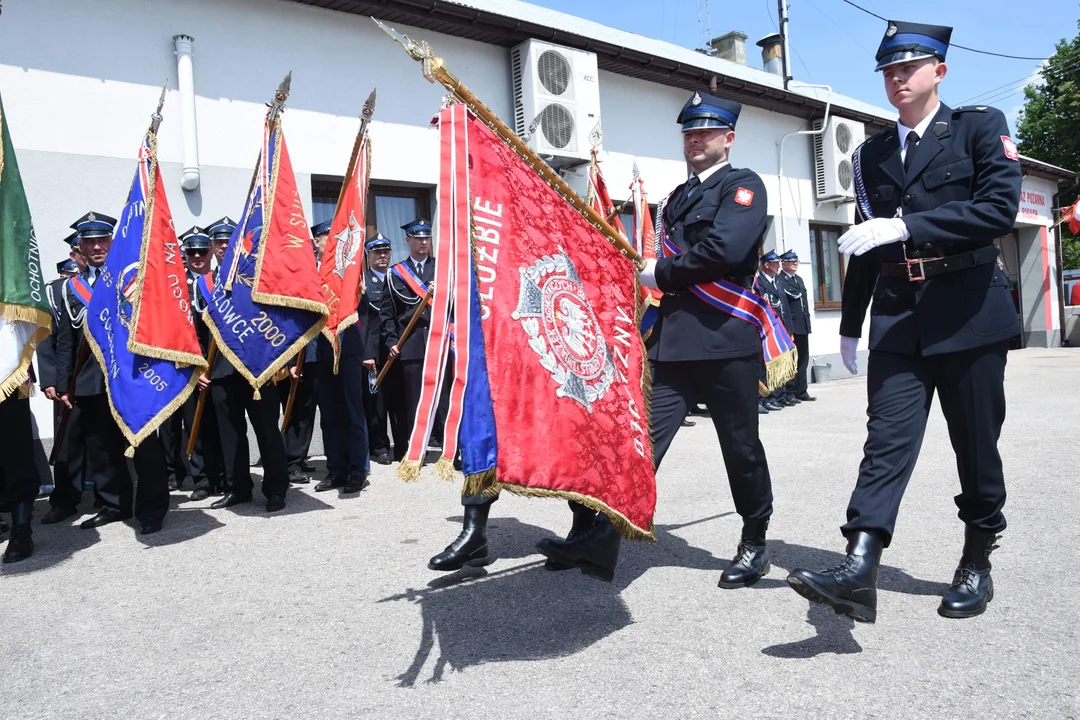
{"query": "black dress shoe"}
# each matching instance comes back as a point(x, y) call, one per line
point(104, 517)
point(355, 484)
point(307, 466)
point(471, 546)
point(20, 545)
point(761, 409)
point(851, 586)
point(584, 517)
point(298, 476)
point(595, 552)
point(229, 500)
point(57, 514)
point(805, 397)
point(751, 561)
point(787, 401)
point(329, 483)
point(200, 494)
point(149, 528)
point(972, 587)
point(772, 406)
point(384, 459)
point(275, 503)
point(688, 423)
point(172, 485)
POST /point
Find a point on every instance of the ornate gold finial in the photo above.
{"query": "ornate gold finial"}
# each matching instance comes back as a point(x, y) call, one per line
point(369, 106)
point(417, 50)
point(157, 117)
point(280, 97)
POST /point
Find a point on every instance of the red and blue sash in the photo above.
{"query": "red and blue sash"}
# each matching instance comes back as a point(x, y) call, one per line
point(82, 289)
point(418, 286)
point(735, 300)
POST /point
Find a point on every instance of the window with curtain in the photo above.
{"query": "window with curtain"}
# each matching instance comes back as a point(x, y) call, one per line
point(389, 207)
point(827, 265)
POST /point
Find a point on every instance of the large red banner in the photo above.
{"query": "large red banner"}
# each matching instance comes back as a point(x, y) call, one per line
point(565, 358)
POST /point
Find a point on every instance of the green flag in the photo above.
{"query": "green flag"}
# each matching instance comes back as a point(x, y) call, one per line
point(25, 317)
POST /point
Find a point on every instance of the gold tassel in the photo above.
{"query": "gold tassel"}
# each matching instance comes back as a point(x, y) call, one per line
point(409, 470)
point(782, 369)
point(255, 395)
point(444, 469)
point(130, 452)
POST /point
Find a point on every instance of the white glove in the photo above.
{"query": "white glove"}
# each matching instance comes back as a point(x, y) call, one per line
point(873, 233)
point(849, 353)
point(648, 275)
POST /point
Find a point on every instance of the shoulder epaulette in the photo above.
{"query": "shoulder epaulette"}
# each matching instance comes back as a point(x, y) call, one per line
point(970, 108)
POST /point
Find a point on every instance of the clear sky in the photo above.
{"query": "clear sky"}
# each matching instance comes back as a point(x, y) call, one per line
point(834, 43)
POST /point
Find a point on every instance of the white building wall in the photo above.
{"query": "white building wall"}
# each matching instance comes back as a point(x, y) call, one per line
point(77, 113)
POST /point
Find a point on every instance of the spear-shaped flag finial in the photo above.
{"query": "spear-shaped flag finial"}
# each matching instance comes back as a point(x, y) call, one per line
point(280, 97)
point(156, 118)
point(417, 50)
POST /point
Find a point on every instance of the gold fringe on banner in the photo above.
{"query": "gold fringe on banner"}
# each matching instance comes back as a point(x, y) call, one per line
point(444, 469)
point(782, 369)
point(409, 471)
point(19, 378)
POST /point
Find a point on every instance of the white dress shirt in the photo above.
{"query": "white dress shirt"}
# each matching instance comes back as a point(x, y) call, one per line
point(920, 130)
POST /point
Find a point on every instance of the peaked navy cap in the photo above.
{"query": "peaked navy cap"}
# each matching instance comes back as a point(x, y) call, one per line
point(417, 228)
point(94, 225)
point(906, 41)
point(708, 111)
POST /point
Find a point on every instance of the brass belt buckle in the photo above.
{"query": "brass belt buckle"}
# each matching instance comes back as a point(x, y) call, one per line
point(916, 277)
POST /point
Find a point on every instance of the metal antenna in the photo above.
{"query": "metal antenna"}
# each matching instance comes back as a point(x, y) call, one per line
point(704, 26)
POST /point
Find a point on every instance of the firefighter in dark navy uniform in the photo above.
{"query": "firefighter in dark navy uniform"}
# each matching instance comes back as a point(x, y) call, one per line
point(405, 377)
point(717, 220)
point(375, 279)
point(932, 195)
point(104, 441)
point(767, 285)
point(799, 304)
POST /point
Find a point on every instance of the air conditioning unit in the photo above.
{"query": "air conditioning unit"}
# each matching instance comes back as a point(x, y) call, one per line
point(833, 150)
point(556, 88)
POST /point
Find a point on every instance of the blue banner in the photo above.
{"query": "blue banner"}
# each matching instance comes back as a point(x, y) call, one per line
point(143, 391)
point(258, 338)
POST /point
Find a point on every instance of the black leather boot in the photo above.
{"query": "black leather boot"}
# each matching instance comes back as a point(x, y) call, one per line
point(584, 517)
point(972, 587)
point(751, 561)
point(470, 547)
point(851, 586)
point(595, 552)
point(20, 544)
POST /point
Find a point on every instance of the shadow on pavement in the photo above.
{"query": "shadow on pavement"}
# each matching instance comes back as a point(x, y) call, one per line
point(297, 500)
point(833, 633)
point(526, 612)
point(180, 524)
point(53, 544)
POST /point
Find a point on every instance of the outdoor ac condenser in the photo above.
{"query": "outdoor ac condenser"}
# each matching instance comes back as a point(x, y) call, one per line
point(556, 88)
point(833, 151)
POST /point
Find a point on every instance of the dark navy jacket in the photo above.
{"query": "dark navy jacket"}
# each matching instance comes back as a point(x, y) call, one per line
point(396, 308)
point(794, 290)
point(69, 338)
point(961, 192)
point(720, 228)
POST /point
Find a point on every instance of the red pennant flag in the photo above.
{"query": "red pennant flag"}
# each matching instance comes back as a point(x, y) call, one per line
point(286, 273)
point(565, 359)
point(600, 198)
point(342, 265)
point(1069, 215)
point(645, 244)
point(162, 322)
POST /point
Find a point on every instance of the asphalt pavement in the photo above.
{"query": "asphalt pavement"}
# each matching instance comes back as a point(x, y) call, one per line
point(327, 609)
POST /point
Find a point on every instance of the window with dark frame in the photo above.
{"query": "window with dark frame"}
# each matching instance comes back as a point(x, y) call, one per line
point(827, 265)
point(389, 207)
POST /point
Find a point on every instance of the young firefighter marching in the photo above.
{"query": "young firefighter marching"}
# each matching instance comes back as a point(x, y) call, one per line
point(932, 194)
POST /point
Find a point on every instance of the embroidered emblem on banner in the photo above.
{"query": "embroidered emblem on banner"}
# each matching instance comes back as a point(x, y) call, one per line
point(744, 196)
point(563, 330)
point(348, 242)
point(1010, 148)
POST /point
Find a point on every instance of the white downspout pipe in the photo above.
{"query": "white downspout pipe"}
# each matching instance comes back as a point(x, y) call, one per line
point(780, 163)
point(186, 80)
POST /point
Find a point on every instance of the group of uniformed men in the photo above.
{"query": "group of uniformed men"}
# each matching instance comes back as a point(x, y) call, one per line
point(355, 415)
point(933, 193)
point(778, 282)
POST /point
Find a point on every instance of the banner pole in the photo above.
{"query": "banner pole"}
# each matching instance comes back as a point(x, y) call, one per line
point(200, 406)
point(435, 71)
point(404, 336)
point(293, 386)
point(65, 416)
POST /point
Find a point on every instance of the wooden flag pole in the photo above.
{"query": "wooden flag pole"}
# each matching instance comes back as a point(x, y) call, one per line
point(435, 71)
point(404, 336)
point(294, 385)
point(65, 416)
point(201, 405)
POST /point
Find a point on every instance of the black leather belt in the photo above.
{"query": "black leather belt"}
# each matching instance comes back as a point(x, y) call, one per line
point(919, 269)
